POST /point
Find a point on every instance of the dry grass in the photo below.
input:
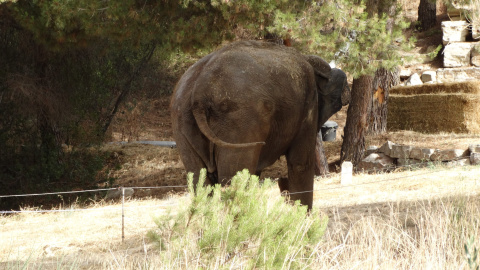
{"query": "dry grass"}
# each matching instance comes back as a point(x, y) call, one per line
point(89, 239)
point(468, 87)
point(413, 219)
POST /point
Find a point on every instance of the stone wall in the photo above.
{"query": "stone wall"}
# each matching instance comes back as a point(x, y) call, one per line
point(391, 156)
point(461, 59)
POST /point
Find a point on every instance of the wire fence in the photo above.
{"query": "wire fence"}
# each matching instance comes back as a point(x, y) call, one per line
point(162, 206)
point(375, 170)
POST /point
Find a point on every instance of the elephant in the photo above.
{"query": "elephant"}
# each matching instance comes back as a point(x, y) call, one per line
point(250, 102)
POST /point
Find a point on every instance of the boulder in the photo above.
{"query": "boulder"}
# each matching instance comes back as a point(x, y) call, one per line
point(457, 54)
point(458, 74)
point(371, 150)
point(400, 151)
point(458, 163)
point(117, 193)
point(474, 154)
point(447, 155)
point(475, 54)
point(376, 162)
point(429, 76)
point(475, 158)
point(386, 148)
point(414, 80)
point(408, 162)
point(474, 148)
point(476, 31)
point(454, 31)
point(405, 74)
point(421, 153)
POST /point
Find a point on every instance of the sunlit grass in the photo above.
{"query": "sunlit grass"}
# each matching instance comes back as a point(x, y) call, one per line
point(419, 219)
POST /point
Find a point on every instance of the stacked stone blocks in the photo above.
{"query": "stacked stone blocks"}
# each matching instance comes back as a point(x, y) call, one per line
point(391, 156)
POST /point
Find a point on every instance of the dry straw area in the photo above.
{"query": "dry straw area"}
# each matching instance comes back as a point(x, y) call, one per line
point(417, 219)
point(448, 107)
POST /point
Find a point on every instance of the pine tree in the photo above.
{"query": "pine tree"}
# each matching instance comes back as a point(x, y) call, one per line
point(360, 37)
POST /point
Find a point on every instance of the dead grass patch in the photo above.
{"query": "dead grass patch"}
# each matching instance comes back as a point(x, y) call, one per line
point(412, 219)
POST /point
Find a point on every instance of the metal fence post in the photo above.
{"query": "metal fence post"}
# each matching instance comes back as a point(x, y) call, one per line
point(123, 214)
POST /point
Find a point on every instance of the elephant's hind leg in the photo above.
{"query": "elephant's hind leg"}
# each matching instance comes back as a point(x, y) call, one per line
point(192, 160)
point(283, 184)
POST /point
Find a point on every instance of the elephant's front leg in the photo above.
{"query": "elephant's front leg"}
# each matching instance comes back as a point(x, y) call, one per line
point(300, 183)
point(301, 170)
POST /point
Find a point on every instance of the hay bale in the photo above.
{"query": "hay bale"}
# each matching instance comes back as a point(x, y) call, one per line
point(467, 87)
point(433, 108)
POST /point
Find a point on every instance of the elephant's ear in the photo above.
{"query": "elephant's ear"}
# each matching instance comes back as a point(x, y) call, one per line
point(321, 68)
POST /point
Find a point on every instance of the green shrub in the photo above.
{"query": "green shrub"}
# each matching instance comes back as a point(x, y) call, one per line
point(472, 254)
point(242, 224)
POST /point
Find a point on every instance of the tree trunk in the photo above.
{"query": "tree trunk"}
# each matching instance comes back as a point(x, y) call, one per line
point(127, 87)
point(427, 14)
point(383, 81)
point(353, 146)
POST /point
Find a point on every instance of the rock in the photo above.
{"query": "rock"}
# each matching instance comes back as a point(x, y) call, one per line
point(421, 153)
point(474, 154)
point(429, 76)
point(447, 155)
point(457, 54)
point(371, 150)
point(458, 163)
point(474, 148)
point(386, 148)
point(476, 31)
point(414, 80)
point(475, 54)
point(405, 74)
point(408, 162)
point(400, 151)
point(458, 74)
point(117, 193)
point(454, 31)
point(475, 158)
point(376, 162)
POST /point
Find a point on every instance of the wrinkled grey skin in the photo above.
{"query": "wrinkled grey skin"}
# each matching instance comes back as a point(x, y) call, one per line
point(250, 102)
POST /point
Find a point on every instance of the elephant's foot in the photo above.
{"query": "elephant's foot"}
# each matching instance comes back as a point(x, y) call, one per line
point(213, 177)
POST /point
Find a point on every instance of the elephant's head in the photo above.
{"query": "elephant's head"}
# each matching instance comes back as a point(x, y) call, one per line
point(332, 87)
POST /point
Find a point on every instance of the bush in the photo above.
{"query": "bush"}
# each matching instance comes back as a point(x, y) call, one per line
point(241, 225)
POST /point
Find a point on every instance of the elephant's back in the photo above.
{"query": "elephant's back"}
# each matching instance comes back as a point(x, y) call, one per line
point(257, 64)
point(262, 57)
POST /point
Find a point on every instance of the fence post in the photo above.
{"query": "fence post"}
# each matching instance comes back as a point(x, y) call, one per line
point(123, 214)
point(346, 174)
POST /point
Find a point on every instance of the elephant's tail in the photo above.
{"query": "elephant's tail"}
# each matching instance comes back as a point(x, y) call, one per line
point(202, 123)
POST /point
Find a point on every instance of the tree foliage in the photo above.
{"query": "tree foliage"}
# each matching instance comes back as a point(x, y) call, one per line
point(343, 31)
point(66, 66)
